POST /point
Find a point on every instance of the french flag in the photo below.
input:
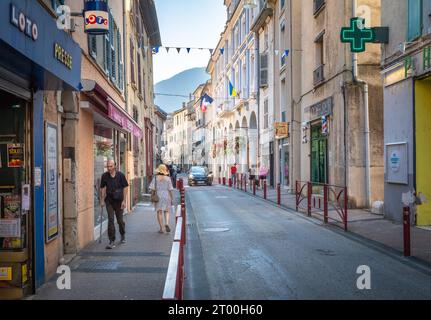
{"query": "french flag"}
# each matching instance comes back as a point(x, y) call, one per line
point(206, 100)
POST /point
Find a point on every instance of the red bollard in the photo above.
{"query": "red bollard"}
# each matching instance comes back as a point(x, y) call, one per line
point(406, 225)
point(325, 203)
point(264, 189)
point(230, 182)
point(245, 183)
point(241, 180)
point(279, 194)
point(309, 193)
point(254, 187)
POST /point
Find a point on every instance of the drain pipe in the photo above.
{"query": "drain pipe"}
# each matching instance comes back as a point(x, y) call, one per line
point(367, 119)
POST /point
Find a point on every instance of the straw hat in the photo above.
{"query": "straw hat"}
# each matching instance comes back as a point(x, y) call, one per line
point(162, 169)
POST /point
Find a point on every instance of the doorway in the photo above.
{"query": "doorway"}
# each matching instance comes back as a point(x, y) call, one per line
point(319, 155)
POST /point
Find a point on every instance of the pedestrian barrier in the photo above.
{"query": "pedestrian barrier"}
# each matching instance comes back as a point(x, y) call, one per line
point(329, 201)
point(173, 284)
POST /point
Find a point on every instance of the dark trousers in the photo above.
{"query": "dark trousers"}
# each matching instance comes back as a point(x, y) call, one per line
point(114, 208)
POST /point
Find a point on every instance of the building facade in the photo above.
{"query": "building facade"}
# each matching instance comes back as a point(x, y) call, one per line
point(406, 64)
point(36, 85)
point(233, 65)
point(66, 91)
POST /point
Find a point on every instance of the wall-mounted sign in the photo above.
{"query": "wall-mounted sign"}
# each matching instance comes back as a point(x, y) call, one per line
point(281, 130)
point(51, 182)
point(358, 35)
point(23, 23)
point(96, 16)
point(63, 56)
point(319, 110)
point(397, 163)
point(15, 155)
point(325, 126)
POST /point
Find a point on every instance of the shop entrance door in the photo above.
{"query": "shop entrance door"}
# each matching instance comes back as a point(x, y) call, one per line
point(319, 155)
point(16, 214)
point(423, 151)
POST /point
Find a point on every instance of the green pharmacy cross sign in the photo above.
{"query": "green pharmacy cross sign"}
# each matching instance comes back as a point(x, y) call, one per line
point(357, 35)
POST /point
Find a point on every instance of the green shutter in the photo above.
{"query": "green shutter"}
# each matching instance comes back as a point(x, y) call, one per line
point(415, 19)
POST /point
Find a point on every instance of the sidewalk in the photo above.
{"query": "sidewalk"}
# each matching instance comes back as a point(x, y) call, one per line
point(363, 223)
point(132, 271)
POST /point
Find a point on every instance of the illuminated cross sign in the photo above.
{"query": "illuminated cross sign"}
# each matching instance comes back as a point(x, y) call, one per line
point(357, 35)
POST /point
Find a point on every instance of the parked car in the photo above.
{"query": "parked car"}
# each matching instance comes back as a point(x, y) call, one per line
point(200, 175)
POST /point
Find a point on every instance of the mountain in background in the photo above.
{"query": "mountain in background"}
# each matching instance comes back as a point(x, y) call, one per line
point(183, 84)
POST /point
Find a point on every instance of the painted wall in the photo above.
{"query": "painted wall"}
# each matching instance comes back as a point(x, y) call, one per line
point(85, 178)
point(398, 115)
point(423, 151)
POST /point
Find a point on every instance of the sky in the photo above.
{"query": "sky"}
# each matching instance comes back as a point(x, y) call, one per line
point(187, 23)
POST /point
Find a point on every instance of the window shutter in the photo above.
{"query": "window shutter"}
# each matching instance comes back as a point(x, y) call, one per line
point(264, 70)
point(139, 74)
point(132, 61)
point(415, 19)
point(92, 45)
point(120, 61)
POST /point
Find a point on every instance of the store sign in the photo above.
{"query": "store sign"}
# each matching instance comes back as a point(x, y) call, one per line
point(319, 110)
point(15, 155)
point(123, 120)
point(96, 16)
point(397, 163)
point(23, 23)
point(63, 56)
point(281, 130)
point(411, 63)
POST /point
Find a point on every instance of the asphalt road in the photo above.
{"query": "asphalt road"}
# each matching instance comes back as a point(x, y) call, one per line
point(240, 247)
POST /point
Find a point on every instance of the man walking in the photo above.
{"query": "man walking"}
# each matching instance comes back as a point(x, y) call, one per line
point(233, 171)
point(113, 188)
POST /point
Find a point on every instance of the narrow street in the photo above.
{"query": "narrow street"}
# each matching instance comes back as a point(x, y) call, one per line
point(240, 247)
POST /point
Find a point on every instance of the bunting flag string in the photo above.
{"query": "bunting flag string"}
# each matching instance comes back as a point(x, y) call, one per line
point(211, 51)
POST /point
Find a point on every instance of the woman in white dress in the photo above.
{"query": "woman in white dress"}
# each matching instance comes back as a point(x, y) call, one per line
point(164, 189)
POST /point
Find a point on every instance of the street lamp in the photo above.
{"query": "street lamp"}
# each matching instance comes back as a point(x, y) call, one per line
point(250, 4)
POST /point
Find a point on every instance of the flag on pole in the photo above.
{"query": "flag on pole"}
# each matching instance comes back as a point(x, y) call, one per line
point(206, 100)
point(232, 90)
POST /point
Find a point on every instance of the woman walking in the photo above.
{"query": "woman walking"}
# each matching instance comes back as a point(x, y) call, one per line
point(162, 187)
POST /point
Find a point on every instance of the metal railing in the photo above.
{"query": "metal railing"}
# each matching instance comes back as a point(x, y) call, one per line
point(174, 284)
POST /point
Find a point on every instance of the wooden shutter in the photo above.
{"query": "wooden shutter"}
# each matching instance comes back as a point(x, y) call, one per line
point(415, 23)
point(264, 70)
point(132, 61)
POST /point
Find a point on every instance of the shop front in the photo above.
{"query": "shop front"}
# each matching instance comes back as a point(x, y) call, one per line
point(113, 131)
point(36, 58)
point(318, 117)
point(406, 133)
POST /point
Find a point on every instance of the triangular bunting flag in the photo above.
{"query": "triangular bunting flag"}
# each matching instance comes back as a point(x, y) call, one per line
point(222, 51)
point(286, 53)
point(188, 50)
point(276, 52)
point(167, 49)
point(211, 51)
point(178, 50)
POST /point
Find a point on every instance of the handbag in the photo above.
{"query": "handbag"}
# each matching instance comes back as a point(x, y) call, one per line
point(154, 196)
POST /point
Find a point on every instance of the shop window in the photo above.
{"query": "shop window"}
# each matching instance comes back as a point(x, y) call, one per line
point(15, 174)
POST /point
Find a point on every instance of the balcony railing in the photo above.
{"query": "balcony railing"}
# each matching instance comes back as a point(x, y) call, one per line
point(319, 75)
